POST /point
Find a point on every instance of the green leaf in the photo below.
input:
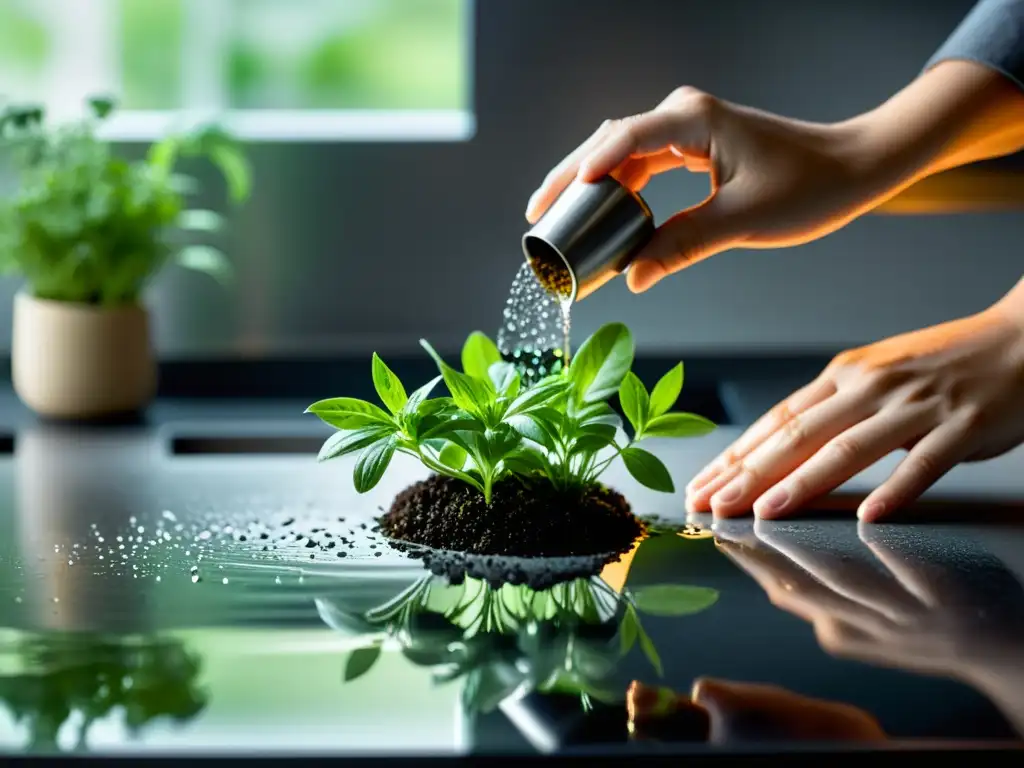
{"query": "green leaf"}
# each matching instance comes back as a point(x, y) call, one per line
point(647, 469)
point(389, 387)
point(479, 353)
point(674, 599)
point(349, 413)
point(101, 106)
point(606, 431)
point(531, 428)
point(627, 633)
point(235, 167)
point(418, 397)
point(525, 461)
point(499, 442)
point(372, 464)
point(448, 426)
point(206, 259)
point(601, 363)
point(345, 442)
point(361, 661)
point(505, 378)
point(666, 392)
point(650, 651)
point(470, 394)
point(679, 425)
point(591, 443)
point(452, 456)
point(200, 221)
point(634, 401)
point(436, 406)
point(537, 396)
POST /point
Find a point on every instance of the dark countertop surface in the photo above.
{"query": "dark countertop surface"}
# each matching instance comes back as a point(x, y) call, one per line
point(149, 604)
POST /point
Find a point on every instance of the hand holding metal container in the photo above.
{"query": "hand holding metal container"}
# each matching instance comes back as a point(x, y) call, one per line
point(589, 235)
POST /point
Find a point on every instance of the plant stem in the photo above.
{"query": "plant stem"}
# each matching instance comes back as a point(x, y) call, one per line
point(441, 469)
point(596, 472)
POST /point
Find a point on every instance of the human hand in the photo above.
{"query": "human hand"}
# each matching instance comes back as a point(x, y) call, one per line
point(948, 394)
point(778, 182)
point(774, 181)
point(899, 600)
point(746, 712)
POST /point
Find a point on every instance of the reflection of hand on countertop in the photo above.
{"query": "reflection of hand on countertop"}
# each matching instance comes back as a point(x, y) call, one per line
point(748, 712)
point(901, 602)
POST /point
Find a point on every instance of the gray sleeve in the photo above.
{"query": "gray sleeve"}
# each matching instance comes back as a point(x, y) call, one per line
point(992, 34)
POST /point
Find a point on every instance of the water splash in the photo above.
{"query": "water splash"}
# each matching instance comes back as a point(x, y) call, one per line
point(534, 334)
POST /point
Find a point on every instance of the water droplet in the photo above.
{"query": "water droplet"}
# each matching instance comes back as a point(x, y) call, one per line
point(277, 580)
point(195, 578)
point(205, 536)
point(56, 599)
point(224, 580)
point(158, 578)
point(168, 515)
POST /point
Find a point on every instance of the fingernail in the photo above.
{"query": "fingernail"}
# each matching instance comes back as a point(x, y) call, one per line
point(729, 494)
point(871, 511)
point(774, 502)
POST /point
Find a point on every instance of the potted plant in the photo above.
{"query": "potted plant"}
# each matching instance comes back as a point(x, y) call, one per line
point(516, 468)
point(87, 230)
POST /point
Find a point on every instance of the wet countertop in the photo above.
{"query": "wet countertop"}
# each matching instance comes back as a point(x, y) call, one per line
point(199, 584)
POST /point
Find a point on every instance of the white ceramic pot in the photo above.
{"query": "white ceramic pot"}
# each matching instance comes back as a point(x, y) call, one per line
point(78, 361)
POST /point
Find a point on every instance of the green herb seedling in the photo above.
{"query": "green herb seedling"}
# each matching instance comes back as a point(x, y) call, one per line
point(560, 430)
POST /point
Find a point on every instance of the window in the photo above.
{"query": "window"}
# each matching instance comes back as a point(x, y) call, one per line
point(267, 69)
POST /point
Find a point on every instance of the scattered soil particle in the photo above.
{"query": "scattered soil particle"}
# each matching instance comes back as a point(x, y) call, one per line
point(445, 513)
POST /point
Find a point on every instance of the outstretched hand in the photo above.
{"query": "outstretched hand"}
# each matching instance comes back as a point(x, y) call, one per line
point(947, 394)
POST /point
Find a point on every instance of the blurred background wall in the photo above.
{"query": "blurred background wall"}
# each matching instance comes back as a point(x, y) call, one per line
point(369, 242)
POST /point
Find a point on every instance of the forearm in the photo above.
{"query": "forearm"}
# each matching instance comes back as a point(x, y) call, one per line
point(967, 105)
point(956, 113)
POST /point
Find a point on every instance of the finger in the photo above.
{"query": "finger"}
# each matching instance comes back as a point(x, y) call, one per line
point(901, 564)
point(704, 485)
point(756, 711)
point(843, 639)
point(715, 225)
point(850, 577)
point(795, 442)
point(558, 178)
point(682, 131)
point(807, 396)
point(841, 458)
point(932, 457)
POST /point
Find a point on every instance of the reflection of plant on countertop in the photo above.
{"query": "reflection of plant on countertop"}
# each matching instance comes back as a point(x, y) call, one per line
point(566, 639)
point(87, 226)
point(56, 676)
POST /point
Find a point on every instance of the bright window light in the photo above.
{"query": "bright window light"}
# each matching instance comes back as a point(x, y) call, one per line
point(269, 70)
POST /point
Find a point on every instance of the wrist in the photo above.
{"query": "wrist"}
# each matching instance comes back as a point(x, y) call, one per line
point(1011, 306)
point(957, 112)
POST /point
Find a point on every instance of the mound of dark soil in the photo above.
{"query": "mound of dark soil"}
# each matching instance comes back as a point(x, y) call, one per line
point(445, 513)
